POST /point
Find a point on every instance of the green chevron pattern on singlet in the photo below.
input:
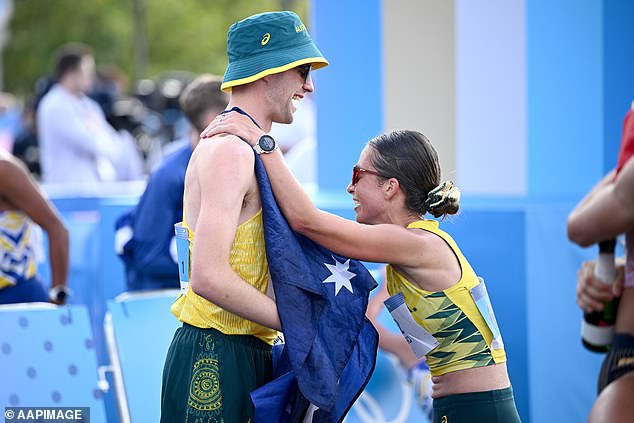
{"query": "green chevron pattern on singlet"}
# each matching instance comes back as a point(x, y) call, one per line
point(457, 333)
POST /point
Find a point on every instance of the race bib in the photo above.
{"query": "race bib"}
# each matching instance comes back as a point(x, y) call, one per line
point(182, 252)
point(420, 341)
point(481, 297)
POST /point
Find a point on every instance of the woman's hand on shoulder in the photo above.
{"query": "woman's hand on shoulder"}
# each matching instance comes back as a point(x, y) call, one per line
point(236, 124)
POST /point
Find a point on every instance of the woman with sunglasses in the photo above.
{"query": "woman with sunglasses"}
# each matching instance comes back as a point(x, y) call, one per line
point(394, 184)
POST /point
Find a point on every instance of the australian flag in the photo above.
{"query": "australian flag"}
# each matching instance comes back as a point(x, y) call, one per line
point(331, 346)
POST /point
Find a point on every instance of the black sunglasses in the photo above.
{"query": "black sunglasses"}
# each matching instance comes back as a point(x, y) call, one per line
point(304, 70)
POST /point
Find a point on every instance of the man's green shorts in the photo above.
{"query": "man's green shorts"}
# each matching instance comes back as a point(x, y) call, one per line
point(208, 376)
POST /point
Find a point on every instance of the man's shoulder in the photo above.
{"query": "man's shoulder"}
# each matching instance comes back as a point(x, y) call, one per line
point(227, 160)
point(229, 147)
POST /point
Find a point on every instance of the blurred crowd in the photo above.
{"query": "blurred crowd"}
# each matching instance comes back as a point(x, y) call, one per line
point(139, 127)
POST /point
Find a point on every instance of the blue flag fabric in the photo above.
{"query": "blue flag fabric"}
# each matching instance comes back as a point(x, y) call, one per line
point(331, 346)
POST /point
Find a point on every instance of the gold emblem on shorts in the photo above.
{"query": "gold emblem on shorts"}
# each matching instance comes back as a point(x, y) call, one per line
point(266, 38)
point(443, 419)
point(204, 391)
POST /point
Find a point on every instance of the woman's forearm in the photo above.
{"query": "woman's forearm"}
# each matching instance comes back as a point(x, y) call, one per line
point(58, 254)
point(295, 204)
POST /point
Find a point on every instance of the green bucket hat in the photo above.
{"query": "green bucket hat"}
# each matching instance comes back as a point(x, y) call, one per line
point(265, 44)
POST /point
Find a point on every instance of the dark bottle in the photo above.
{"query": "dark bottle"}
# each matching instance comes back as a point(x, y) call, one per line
point(597, 328)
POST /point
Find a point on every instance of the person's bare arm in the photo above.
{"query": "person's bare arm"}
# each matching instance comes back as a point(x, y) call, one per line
point(385, 243)
point(20, 191)
point(224, 171)
point(606, 212)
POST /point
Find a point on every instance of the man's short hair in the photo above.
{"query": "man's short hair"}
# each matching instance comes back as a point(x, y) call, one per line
point(68, 58)
point(201, 96)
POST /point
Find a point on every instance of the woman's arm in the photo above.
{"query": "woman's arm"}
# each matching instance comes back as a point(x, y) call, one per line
point(21, 191)
point(384, 243)
point(607, 211)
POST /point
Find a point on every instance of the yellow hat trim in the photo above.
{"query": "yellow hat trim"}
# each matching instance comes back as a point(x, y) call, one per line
point(317, 62)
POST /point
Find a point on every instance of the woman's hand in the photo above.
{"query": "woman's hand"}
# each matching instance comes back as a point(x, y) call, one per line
point(592, 293)
point(233, 123)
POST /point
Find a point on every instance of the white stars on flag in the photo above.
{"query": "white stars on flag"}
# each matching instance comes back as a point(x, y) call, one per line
point(340, 275)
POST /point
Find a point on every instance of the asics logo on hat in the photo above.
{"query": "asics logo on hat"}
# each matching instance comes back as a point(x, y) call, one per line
point(266, 38)
point(300, 28)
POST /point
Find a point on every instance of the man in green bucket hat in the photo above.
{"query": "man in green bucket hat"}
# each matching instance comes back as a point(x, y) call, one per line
point(223, 350)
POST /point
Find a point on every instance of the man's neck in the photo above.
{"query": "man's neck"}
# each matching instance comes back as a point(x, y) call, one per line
point(254, 108)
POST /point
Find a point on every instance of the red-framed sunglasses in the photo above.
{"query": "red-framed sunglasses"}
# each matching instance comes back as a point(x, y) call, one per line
point(356, 173)
point(304, 70)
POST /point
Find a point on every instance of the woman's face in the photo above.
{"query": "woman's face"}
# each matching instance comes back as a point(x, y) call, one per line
point(366, 190)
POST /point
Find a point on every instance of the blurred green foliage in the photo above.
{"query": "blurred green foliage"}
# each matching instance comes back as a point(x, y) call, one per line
point(188, 35)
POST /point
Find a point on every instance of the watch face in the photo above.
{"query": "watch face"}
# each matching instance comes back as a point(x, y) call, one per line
point(266, 143)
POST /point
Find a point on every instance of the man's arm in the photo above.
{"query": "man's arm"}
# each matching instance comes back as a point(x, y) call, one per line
point(606, 212)
point(224, 171)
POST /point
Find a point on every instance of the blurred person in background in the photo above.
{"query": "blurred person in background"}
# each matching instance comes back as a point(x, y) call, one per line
point(164, 128)
point(145, 235)
point(109, 86)
point(604, 213)
point(78, 146)
point(10, 120)
point(26, 146)
point(22, 207)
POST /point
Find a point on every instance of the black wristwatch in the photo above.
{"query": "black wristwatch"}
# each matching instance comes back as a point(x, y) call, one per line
point(58, 294)
point(266, 144)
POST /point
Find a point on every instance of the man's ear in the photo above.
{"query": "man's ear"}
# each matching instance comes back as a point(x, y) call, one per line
point(390, 188)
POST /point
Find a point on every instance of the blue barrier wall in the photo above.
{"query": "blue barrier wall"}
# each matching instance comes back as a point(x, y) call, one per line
point(47, 359)
point(96, 273)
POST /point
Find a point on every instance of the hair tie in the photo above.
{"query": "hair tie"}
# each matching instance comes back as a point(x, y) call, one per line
point(439, 197)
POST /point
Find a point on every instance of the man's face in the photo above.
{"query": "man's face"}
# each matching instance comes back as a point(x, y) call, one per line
point(286, 90)
point(85, 75)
